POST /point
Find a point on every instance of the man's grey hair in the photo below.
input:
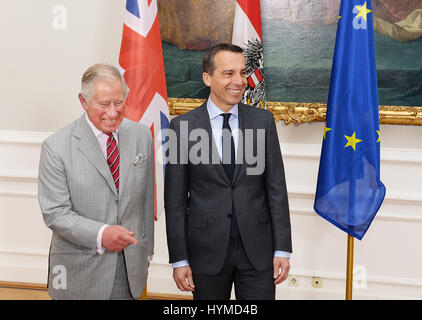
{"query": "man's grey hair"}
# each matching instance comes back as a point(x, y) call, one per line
point(97, 72)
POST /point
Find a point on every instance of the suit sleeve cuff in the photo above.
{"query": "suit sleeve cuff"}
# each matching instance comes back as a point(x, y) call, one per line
point(281, 254)
point(100, 248)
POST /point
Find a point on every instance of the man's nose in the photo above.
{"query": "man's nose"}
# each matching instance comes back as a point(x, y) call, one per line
point(239, 79)
point(112, 110)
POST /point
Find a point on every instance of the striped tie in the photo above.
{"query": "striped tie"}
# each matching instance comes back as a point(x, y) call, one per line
point(113, 158)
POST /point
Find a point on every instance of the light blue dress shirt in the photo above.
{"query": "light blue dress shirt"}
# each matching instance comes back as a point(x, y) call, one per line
point(217, 131)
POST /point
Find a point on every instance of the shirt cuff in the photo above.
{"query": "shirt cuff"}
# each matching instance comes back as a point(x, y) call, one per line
point(100, 248)
point(178, 264)
point(281, 254)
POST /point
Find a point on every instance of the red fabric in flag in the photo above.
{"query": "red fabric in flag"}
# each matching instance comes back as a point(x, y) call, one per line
point(252, 9)
point(141, 58)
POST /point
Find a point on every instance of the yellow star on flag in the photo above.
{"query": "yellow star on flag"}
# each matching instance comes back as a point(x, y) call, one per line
point(326, 129)
point(379, 136)
point(352, 141)
point(363, 11)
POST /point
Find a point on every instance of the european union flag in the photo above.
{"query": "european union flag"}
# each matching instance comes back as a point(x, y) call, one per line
point(349, 190)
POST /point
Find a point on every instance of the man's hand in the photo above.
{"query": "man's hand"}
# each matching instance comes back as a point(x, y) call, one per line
point(281, 269)
point(116, 238)
point(183, 278)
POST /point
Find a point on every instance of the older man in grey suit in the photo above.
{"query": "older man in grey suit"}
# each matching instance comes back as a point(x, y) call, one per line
point(227, 213)
point(96, 193)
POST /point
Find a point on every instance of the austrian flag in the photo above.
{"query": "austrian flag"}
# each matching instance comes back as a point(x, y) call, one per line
point(141, 59)
point(247, 33)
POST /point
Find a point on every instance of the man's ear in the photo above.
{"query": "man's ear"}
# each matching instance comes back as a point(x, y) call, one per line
point(83, 101)
point(206, 78)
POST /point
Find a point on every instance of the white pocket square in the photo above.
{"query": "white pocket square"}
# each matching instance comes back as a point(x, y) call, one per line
point(139, 160)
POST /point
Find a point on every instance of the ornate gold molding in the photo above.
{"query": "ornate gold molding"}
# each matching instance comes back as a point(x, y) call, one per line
point(411, 116)
point(297, 112)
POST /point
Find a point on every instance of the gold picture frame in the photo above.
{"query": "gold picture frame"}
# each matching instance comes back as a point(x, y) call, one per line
point(298, 112)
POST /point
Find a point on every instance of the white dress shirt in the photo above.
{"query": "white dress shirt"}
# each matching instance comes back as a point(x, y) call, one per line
point(216, 121)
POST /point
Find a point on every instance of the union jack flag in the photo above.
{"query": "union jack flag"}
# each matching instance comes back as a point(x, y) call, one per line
point(141, 60)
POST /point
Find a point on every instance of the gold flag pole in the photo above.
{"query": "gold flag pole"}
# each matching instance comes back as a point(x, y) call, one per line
point(349, 274)
point(144, 293)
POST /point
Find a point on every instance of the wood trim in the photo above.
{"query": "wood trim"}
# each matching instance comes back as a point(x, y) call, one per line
point(23, 285)
point(43, 287)
point(167, 296)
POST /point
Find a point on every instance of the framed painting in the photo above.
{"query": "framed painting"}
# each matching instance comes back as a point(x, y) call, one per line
point(298, 39)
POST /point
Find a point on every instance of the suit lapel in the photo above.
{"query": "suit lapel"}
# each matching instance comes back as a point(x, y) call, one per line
point(91, 149)
point(244, 123)
point(125, 159)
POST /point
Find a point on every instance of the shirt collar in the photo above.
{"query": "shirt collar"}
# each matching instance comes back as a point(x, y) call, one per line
point(215, 111)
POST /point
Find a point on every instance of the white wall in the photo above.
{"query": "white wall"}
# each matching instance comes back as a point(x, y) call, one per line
point(42, 66)
point(41, 70)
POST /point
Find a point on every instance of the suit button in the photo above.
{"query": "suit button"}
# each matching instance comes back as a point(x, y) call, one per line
point(229, 215)
point(233, 187)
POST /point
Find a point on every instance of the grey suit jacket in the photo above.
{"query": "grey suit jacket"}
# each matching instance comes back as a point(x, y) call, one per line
point(199, 197)
point(77, 195)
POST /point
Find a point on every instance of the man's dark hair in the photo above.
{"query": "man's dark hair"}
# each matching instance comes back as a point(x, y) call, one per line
point(208, 59)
